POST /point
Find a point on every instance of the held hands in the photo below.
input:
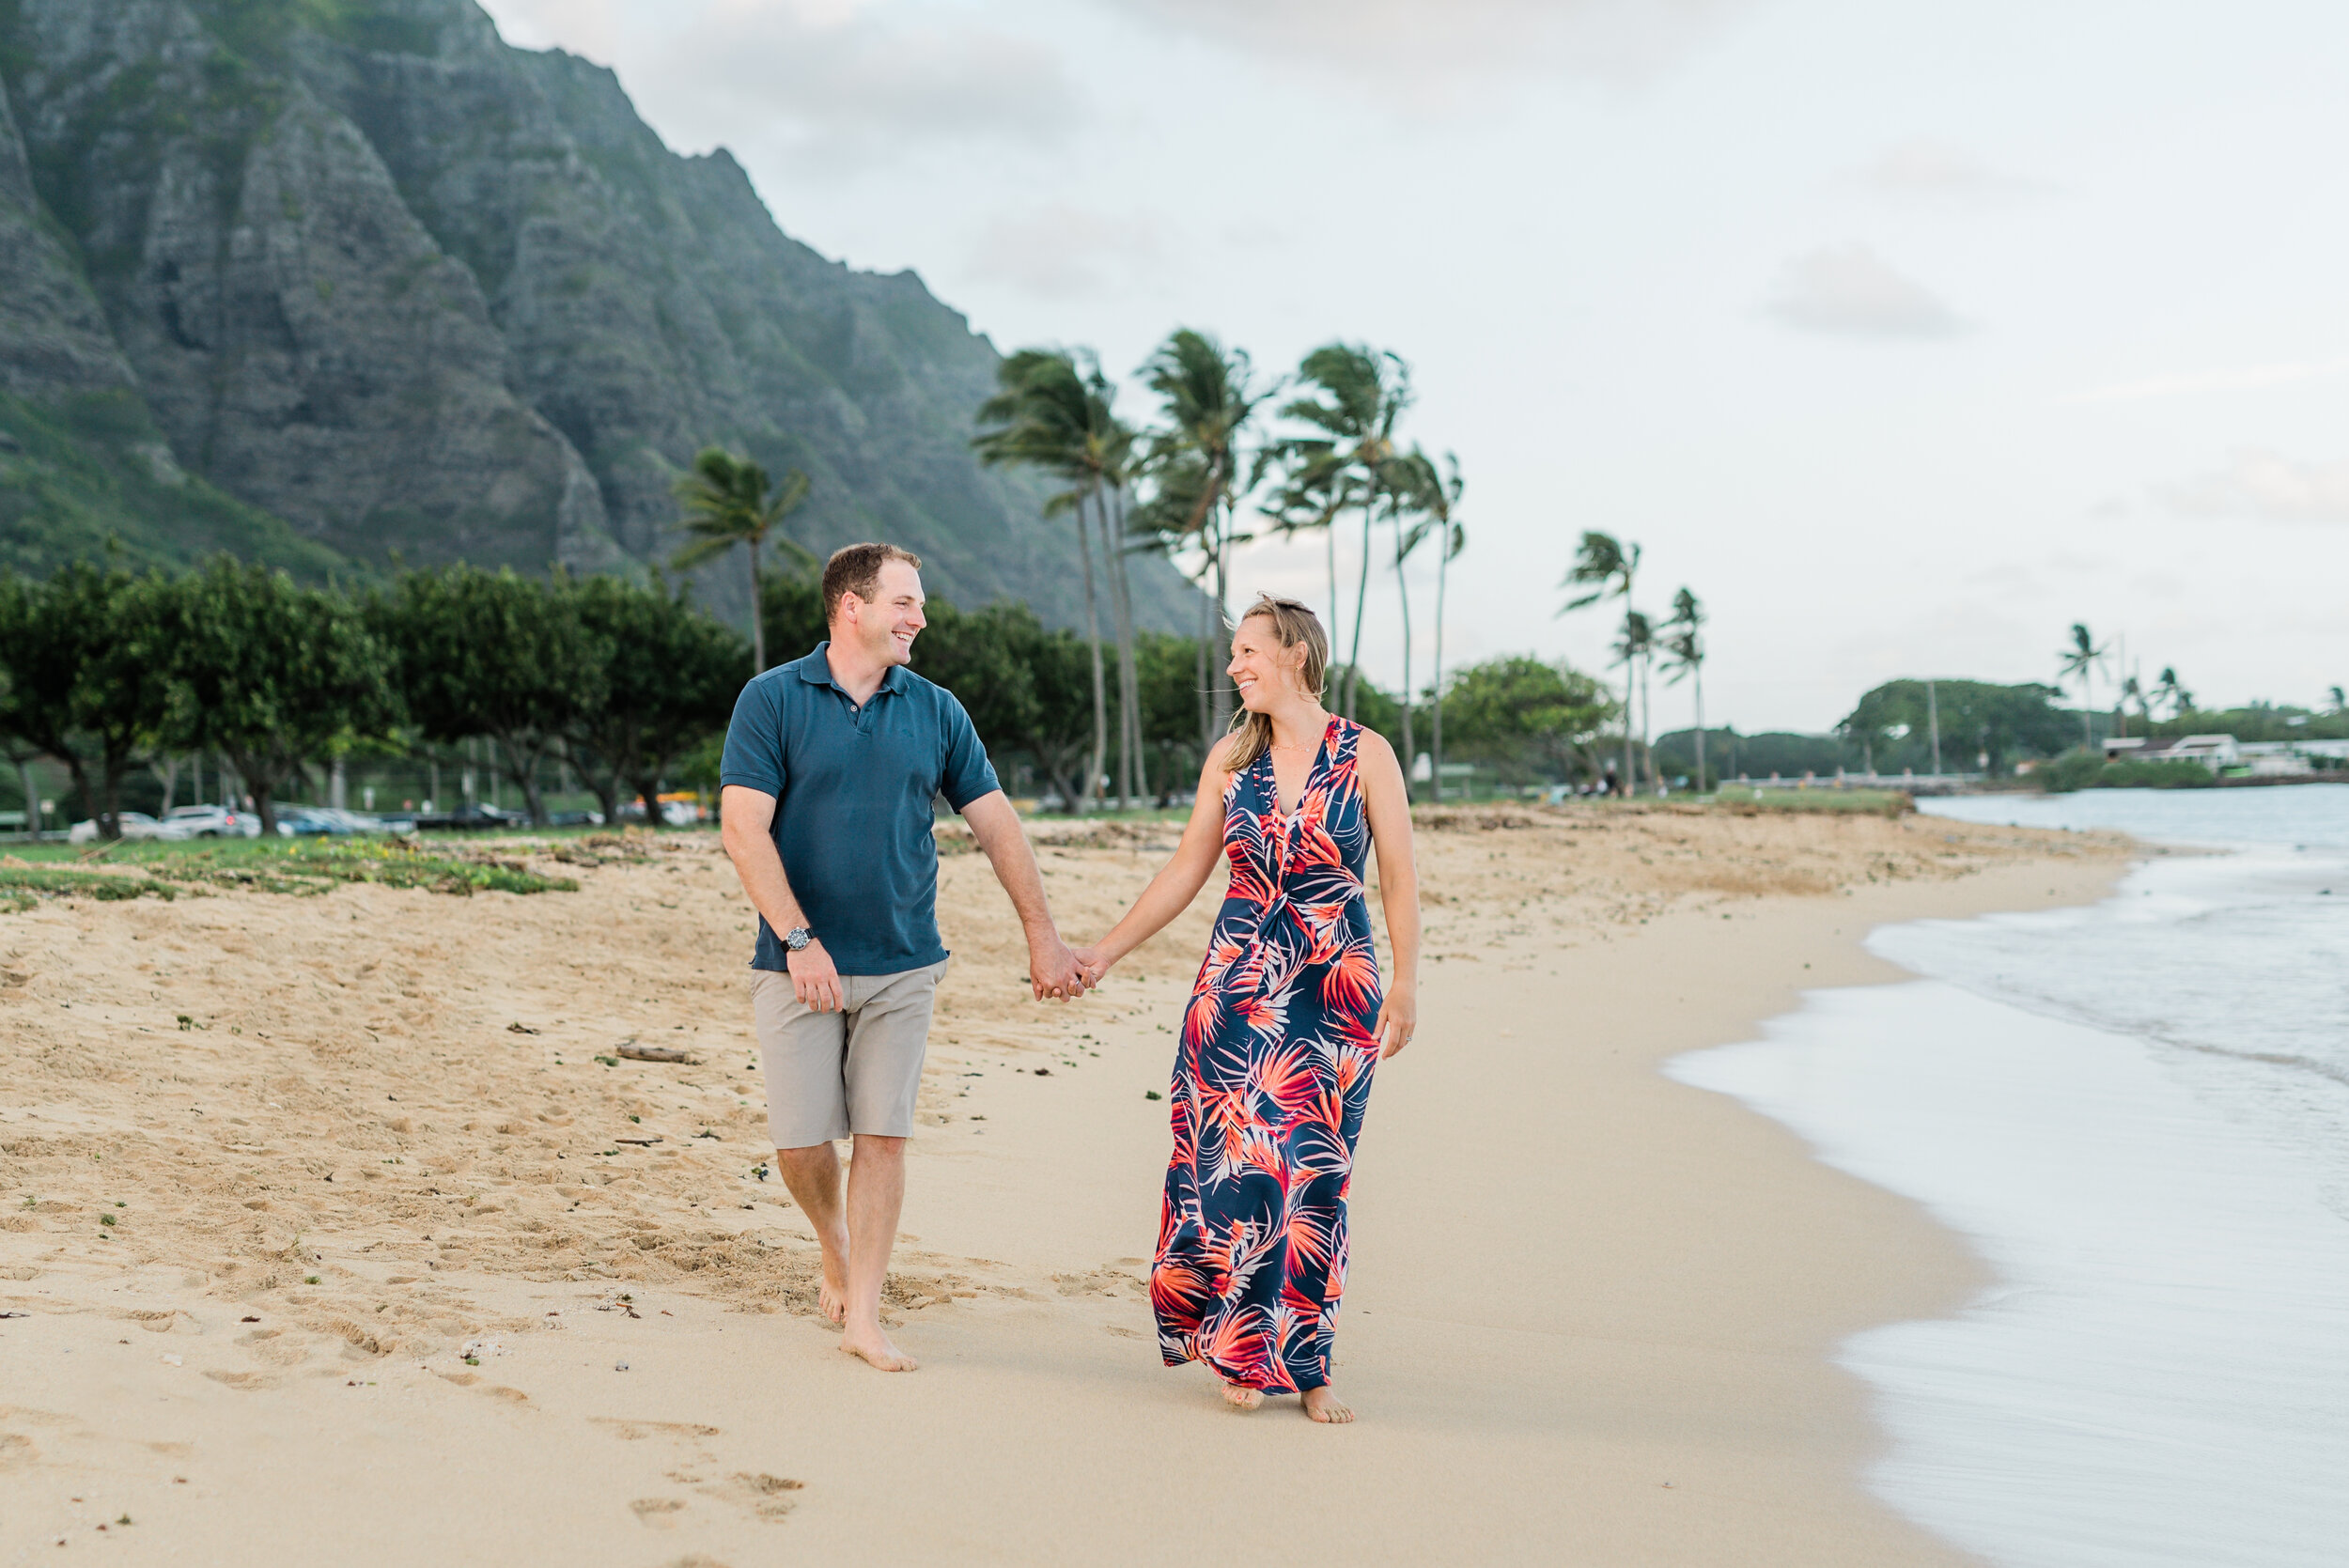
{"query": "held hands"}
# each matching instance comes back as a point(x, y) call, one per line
point(1055, 971)
point(815, 980)
point(1398, 1020)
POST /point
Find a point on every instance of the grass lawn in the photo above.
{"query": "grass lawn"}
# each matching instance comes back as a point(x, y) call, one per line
point(143, 868)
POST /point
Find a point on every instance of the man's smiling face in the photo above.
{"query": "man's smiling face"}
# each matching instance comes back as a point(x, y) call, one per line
point(884, 627)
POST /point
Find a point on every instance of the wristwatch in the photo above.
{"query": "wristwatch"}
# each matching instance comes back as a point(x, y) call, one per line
point(798, 938)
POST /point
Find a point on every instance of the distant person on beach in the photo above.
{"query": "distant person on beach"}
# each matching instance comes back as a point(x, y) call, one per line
point(831, 763)
point(1285, 1022)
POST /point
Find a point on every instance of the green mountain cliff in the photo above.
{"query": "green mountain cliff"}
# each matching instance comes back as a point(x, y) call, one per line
point(335, 283)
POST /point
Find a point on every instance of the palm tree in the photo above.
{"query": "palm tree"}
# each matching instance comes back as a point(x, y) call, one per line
point(728, 503)
point(1315, 484)
point(1207, 395)
point(1403, 499)
point(1362, 393)
point(1684, 649)
point(1436, 497)
point(2133, 690)
point(2177, 698)
point(2081, 659)
point(1053, 414)
point(1634, 645)
point(1606, 567)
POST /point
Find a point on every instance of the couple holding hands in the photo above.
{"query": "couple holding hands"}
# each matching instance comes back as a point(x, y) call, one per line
point(831, 763)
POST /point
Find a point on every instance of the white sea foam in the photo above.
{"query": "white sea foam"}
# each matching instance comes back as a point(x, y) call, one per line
point(2140, 1112)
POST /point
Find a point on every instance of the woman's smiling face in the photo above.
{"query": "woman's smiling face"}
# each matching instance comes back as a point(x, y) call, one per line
point(1264, 673)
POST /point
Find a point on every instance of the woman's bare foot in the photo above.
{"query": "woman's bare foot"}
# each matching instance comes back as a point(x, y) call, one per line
point(1240, 1397)
point(871, 1344)
point(1323, 1404)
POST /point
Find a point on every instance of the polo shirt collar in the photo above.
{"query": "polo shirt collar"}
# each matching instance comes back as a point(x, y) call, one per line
point(817, 671)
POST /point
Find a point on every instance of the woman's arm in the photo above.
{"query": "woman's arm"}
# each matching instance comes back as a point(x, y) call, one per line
point(1179, 881)
point(1388, 804)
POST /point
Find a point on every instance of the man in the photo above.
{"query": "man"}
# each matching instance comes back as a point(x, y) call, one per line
point(832, 763)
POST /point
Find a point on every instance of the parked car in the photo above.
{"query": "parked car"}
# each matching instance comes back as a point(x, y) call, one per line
point(475, 815)
point(574, 820)
point(323, 821)
point(134, 824)
point(214, 822)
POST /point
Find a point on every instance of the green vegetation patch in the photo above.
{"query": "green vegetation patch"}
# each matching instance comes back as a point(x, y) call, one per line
point(90, 475)
point(314, 866)
point(1862, 802)
point(301, 868)
point(22, 886)
point(2087, 771)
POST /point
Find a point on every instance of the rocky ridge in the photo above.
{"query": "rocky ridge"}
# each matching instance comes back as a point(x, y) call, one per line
point(333, 281)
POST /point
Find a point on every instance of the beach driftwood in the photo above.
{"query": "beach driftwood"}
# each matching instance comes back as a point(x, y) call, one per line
point(635, 1052)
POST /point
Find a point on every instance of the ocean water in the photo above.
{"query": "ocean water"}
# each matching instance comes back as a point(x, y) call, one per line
point(2139, 1114)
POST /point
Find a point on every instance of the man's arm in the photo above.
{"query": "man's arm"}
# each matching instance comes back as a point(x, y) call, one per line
point(746, 822)
point(1051, 968)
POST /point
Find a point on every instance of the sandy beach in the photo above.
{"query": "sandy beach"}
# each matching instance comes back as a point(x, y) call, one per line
point(345, 1139)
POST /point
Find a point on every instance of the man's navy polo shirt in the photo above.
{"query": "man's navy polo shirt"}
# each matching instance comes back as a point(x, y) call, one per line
point(853, 790)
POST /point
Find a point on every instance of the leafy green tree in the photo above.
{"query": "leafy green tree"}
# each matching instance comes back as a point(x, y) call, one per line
point(2006, 722)
point(271, 675)
point(728, 500)
point(1359, 396)
point(791, 610)
point(670, 677)
point(1605, 567)
point(491, 654)
point(1023, 685)
point(1684, 658)
point(1523, 715)
point(1208, 396)
point(84, 683)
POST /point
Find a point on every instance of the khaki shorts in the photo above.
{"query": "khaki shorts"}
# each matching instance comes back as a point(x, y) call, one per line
point(857, 1070)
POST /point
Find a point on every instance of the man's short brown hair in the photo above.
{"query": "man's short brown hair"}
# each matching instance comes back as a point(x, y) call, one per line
point(856, 569)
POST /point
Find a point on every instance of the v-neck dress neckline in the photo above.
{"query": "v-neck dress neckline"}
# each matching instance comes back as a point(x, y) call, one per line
point(1312, 771)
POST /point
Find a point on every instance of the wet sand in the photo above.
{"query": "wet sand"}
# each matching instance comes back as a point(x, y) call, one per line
point(1590, 1317)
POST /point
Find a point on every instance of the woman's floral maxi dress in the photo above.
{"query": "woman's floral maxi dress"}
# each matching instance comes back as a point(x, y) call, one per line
point(1270, 1080)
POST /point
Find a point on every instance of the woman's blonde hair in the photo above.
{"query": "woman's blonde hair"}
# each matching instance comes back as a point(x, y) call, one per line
point(1292, 624)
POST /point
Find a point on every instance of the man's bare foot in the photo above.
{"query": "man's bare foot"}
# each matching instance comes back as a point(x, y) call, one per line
point(1323, 1404)
point(1242, 1398)
point(832, 1294)
point(872, 1345)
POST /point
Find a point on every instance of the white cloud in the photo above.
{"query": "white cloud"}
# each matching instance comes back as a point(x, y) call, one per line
point(1850, 291)
point(1429, 48)
point(1925, 168)
point(1059, 249)
point(2240, 378)
point(2268, 486)
point(831, 86)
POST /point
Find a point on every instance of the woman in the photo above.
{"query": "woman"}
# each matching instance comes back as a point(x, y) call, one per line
point(1285, 1021)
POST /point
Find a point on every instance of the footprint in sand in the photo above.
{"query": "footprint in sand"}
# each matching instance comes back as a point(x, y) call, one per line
point(17, 1452)
point(656, 1513)
point(249, 1382)
point(768, 1496)
point(636, 1431)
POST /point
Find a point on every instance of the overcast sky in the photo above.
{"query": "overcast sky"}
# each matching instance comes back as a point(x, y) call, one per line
point(1905, 334)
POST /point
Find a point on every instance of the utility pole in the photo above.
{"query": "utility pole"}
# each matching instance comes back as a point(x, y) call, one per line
point(1932, 725)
